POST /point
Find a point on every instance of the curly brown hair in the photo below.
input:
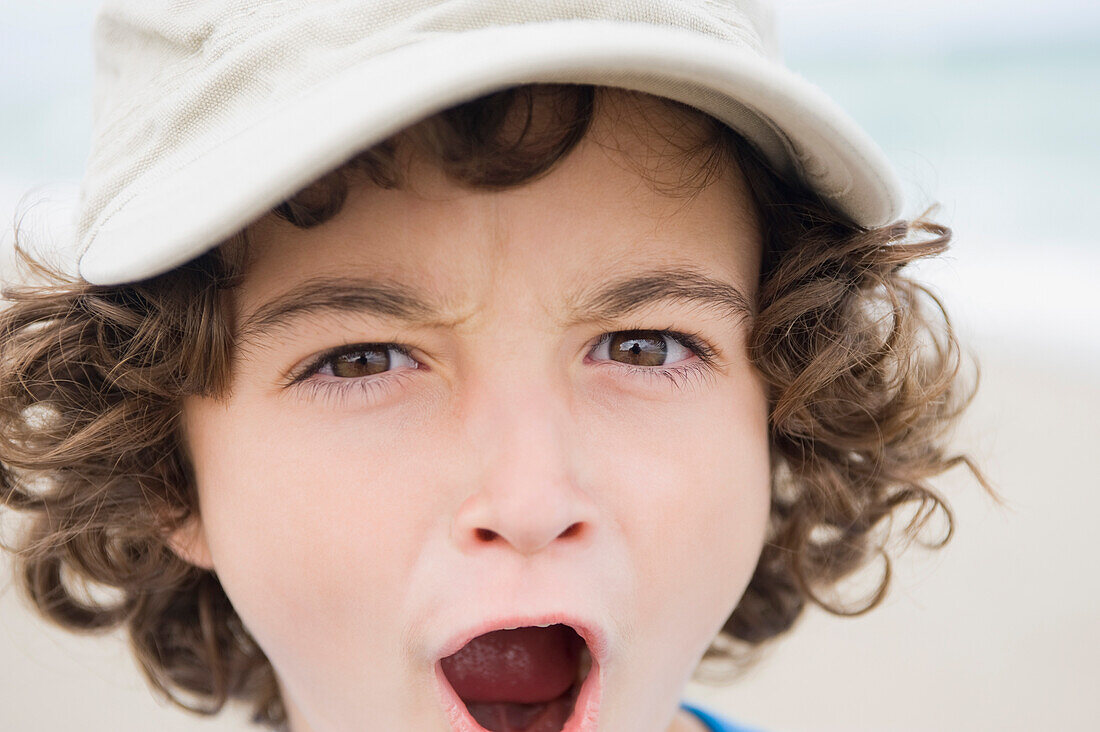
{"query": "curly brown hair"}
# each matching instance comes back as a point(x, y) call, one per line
point(863, 386)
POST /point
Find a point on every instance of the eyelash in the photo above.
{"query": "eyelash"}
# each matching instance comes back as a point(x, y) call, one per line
point(376, 386)
point(678, 376)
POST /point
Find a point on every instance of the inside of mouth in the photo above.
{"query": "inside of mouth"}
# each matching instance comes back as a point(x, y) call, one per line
point(518, 717)
point(488, 676)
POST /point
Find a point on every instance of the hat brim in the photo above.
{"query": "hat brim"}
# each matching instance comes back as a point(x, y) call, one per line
point(173, 218)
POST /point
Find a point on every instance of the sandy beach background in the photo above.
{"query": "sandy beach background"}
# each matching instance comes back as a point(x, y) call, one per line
point(993, 113)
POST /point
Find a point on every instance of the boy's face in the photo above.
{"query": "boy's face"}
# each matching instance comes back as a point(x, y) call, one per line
point(362, 514)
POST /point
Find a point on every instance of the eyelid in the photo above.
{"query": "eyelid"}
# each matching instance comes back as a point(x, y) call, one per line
point(690, 341)
point(707, 356)
point(325, 357)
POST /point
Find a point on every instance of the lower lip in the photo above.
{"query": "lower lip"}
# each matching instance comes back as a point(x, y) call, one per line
point(585, 716)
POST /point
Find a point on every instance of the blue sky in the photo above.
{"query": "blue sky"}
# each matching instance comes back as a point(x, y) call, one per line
point(810, 27)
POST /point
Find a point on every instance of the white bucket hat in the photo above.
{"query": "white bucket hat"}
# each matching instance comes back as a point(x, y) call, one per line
point(208, 114)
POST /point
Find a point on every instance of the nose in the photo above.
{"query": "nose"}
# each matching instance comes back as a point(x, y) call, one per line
point(525, 494)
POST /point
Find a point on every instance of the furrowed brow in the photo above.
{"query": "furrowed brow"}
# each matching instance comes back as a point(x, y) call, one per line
point(398, 301)
point(669, 284)
point(333, 295)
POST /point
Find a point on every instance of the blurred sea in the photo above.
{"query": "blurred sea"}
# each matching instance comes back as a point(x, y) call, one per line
point(1007, 140)
point(1004, 138)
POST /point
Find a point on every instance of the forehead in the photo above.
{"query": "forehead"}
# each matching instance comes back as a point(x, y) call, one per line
point(617, 202)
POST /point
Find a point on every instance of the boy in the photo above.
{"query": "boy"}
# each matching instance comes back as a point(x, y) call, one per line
point(466, 365)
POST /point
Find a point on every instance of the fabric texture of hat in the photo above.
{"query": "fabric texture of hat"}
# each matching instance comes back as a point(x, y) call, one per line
point(210, 112)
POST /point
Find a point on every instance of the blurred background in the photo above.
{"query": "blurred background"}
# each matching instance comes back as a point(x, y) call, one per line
point(990, 109)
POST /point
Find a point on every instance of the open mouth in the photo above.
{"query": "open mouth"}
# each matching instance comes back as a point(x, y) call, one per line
point(527, 679)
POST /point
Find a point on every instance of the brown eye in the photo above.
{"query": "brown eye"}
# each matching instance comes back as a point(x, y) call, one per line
point(643, 348)
point(361, 361)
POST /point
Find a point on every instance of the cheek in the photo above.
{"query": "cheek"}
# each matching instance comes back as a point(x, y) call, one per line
point(310, 519)
point(691, 484)
point(304, 516)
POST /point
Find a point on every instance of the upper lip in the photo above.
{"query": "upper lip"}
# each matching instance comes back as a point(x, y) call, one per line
point(592, 633)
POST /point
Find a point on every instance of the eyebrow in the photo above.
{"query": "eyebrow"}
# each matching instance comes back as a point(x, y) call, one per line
point(387, 298)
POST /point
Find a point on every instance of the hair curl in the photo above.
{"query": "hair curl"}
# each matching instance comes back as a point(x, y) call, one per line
point(863, 387)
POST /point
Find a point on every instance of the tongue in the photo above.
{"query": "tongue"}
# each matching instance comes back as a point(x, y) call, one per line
point(524, 665)
point(509, 717)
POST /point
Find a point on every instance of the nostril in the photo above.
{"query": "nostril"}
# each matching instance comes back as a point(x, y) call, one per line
point(572, 530)
point(488, 535)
